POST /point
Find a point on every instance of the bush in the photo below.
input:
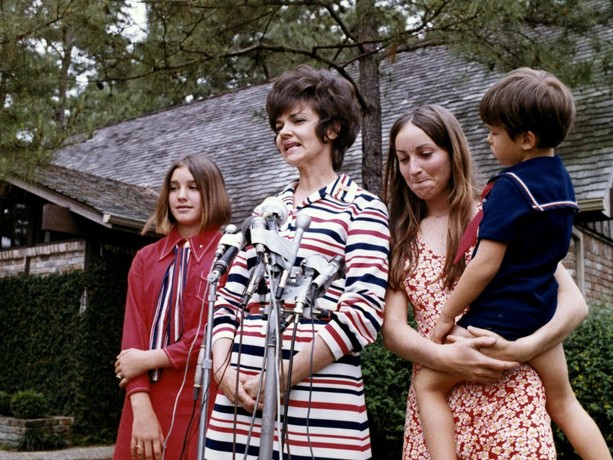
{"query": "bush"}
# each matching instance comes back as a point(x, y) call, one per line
point(386, 379)
point(589, 355)
point(5, 404)
point(35, 440)
point(29, 404)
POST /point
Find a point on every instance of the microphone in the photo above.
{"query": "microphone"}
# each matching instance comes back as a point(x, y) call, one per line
point(273, 207)
point(224, 242)
point(223, 263)
point(254, 281)
point(334, 270)
point(303, 221)
point(258, 224)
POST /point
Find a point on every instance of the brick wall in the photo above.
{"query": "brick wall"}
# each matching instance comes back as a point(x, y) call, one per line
point(590, 263)
point(41, 259)
point(598, 262)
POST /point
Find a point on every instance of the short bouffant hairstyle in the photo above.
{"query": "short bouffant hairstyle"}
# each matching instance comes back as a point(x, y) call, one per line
point(216, 206)
point(530, 100)
point(329, 95)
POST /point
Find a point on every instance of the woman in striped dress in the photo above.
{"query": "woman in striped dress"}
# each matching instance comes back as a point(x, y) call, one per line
point(315, 117)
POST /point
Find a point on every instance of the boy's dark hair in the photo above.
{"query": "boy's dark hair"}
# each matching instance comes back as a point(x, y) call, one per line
point(530, 100)
point(330, 96)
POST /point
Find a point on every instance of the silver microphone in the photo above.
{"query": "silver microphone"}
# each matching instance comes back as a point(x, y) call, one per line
point(303, 221)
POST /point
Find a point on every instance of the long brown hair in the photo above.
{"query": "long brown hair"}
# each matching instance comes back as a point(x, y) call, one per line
point(216, 207)
point(407, 210)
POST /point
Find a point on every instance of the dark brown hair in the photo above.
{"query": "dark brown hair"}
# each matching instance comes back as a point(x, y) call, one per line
point(530, 100)
point(216, 207)
point(330, 96)
point(407, 210)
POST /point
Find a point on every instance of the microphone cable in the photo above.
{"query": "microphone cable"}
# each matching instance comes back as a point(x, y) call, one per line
point(185, 372)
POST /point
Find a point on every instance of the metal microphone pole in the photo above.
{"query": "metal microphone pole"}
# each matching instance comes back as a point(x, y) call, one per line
point(270, 383)
point(206, 371)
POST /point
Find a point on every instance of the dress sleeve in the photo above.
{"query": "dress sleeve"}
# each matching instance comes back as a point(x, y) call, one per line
point(228, 309)
point(359, 314)
point(135, 327)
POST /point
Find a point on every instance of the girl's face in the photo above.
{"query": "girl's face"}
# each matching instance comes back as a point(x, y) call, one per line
point(298, 142)
point(425, 166)
point(185, 202)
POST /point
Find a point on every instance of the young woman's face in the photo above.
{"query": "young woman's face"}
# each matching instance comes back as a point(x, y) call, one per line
point(425, 166)
point(298, 142)
point(185, 202)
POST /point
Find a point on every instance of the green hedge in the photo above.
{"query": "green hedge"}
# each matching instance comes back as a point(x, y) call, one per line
point(589, 353)
point(48, 345)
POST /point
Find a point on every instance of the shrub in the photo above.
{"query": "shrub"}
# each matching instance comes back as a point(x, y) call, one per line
point(35, 440)
point(386, 379)
point(589, 355)
point(5, 403)
point(29, 404)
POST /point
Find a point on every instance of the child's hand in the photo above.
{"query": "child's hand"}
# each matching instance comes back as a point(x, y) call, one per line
point(442, 328)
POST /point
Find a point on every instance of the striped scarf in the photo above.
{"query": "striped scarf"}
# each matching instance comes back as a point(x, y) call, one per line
point(167, 325)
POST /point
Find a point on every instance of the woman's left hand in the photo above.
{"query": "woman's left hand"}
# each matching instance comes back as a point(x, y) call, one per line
point(131, 363)
point(518, 351)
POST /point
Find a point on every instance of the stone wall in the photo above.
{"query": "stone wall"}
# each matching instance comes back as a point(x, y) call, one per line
point(14, 430)
point(43, 259)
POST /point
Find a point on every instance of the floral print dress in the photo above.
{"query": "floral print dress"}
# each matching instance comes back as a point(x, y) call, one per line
point(504, 420)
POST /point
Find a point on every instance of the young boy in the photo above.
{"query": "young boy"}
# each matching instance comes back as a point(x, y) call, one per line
point(525, 232)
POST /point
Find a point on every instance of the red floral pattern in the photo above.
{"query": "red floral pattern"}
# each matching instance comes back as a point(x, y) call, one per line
point(506, 420)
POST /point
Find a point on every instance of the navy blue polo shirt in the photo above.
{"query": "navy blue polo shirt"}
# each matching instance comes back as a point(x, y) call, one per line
point(531, 208)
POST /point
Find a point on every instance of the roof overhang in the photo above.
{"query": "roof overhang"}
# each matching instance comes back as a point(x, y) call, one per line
point(105, 219)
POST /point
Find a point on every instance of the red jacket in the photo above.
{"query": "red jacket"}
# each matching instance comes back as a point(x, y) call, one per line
point(144, 282)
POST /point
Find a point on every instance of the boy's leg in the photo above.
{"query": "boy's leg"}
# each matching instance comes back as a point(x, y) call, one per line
point(431, 389)
point(564, 409)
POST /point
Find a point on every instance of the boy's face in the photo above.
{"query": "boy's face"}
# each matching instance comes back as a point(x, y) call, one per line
point(507, 151)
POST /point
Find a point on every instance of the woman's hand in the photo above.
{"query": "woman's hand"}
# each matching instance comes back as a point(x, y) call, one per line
point(240, 395)
point(520, 350)
point(132, 362)
point(468, 358)
point(147, 436)
point(226, 376)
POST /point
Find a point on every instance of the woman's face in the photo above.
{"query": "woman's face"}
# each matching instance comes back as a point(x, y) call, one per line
point(185, 202)
point(298, 142)
point(425, 166)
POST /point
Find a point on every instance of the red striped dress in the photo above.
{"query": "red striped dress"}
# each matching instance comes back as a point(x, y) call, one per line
point(327, 416)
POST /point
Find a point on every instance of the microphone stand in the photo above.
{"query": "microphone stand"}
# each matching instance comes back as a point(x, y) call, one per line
point(205, 366)
point(270, 385)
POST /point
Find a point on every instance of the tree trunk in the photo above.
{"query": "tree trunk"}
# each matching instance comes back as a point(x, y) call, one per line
point(372, 164)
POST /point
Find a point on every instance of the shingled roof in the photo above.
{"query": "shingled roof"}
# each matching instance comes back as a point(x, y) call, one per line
point(114, 171)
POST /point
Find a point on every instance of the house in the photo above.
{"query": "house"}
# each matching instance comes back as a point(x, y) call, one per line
point(100, 190)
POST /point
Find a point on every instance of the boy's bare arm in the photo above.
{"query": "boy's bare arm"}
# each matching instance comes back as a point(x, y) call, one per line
point(479, 272)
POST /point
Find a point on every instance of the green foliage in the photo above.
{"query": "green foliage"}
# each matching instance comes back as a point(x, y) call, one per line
point(97, 406)
point(5, 404)
point(36, 440)
point(29, 404)
point(387, 379)
point(48, 344)
point(589, 355)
